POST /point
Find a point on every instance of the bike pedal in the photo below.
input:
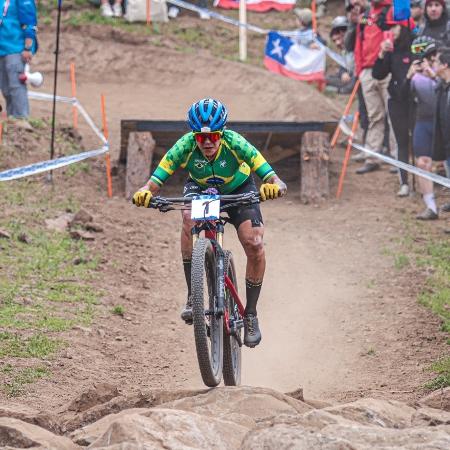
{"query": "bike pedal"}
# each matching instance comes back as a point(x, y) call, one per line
point(239, 324)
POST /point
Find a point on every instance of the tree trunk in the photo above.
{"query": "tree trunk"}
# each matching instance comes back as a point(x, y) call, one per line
point(315, 154)
point(139, 161)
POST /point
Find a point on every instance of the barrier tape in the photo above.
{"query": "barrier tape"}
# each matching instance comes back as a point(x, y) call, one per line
point(182, 4)
point(51, 164)
point(443, 181)
point(72, 101)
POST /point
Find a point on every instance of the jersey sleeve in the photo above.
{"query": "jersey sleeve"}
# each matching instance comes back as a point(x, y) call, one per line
point(247, 153)
point(175, 157)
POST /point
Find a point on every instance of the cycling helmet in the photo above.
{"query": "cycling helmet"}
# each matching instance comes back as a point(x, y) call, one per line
point(207, 115)
point(338, 23)
point(423, 46)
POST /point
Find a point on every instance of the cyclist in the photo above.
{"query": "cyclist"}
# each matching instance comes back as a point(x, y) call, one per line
point(221, 158)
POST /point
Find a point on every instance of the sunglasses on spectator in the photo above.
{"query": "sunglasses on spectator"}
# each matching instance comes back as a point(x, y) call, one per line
point(213, 137)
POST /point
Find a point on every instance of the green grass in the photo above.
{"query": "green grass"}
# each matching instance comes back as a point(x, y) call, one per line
point(401, 261)
point(15, 386)
point(442, 369)
point(118, 310)
point(35, 346)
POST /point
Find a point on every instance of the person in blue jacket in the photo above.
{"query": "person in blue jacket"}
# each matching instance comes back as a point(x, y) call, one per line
point(18, 26)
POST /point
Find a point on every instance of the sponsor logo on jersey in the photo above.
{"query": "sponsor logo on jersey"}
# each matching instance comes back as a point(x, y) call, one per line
point(200, 163)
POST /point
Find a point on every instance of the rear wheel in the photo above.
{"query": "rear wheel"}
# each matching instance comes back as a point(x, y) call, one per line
point(208, 325)
point(231, 342)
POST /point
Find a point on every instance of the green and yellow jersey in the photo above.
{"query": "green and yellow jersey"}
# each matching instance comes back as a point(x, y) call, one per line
point(231, 167)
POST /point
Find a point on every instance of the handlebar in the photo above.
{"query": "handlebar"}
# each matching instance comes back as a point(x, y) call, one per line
point(165, 203)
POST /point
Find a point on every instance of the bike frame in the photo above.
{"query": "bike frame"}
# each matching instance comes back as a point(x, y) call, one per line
point(214, 232)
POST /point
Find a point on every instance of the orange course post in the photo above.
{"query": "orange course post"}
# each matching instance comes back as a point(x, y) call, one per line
point(314, 16)
point(74, 95)
point(337, 132)
point(148, 11)
point(107, 156)
point(347, 155)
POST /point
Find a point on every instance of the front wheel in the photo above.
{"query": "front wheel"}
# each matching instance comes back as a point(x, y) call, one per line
point(208, 325)
point(232, 341)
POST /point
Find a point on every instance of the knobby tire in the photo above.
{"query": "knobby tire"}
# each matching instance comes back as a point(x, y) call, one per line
point(209, 348)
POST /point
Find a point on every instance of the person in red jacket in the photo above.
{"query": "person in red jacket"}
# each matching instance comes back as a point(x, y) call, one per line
point(369, 34)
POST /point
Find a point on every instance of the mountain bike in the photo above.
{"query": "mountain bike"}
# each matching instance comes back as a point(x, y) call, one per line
point(217, 309)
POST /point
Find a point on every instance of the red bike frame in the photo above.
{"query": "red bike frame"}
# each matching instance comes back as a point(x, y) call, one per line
point(211, 234)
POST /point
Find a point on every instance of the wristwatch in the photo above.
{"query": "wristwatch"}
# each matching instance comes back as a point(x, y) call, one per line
point(28, 48)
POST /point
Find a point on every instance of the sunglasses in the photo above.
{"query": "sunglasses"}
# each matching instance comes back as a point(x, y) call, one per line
point(213, 137)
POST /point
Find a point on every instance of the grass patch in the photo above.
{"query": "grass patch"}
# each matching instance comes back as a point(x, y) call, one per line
point(35, 346)
point(442, 369)
point(118, 310)
point(401, 261)
point(15, 386)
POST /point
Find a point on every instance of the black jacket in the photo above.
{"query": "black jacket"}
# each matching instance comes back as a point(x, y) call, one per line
point(396, 63)
point(441, 134)
point(438, 29)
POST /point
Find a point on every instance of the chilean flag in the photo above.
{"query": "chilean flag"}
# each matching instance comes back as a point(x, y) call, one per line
point(284, 56)
point(257, 5)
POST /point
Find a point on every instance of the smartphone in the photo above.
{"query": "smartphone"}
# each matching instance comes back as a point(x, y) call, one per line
point(389, 36)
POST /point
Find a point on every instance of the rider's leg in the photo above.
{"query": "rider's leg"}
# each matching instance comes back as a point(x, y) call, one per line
point(251, 238)
point(186, 253)
point(186, 246)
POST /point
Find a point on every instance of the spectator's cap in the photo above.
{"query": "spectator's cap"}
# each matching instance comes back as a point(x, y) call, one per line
point(442, 2)
point(304, 15)
point(417, 3)
point(339, 23)
point(423, 46)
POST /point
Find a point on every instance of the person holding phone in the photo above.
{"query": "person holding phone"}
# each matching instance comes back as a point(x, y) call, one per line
point(421, 84)
point(394, 60)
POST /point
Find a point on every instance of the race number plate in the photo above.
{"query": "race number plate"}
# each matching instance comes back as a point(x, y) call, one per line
point(205, 207)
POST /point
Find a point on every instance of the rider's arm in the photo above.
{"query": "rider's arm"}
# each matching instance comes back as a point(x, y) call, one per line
point(246, 152)
point(174, 158)
point(256, 161)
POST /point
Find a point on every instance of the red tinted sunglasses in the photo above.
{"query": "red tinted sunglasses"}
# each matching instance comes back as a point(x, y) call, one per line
point(213, 137)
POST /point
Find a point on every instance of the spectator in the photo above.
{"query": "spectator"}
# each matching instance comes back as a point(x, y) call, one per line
point(436, 21)
point(18, 43)
point(394, 60)
point(354, 9)
point(305, 34)
point(417, 14)
point(342, 80)
point(441, 134)
point(368, 36)
point(420, 81)
point(111, 10)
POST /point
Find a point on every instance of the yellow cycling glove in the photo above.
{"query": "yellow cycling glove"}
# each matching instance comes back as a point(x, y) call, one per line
point(269, 190)
point(142, 198)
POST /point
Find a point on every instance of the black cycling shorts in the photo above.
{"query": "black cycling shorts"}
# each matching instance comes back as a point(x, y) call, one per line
point(238, 214)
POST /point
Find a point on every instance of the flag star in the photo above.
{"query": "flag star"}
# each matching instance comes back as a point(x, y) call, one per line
point(277, 49)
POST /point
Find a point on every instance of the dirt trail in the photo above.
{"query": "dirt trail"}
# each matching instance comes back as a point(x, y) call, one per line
point(336, 318)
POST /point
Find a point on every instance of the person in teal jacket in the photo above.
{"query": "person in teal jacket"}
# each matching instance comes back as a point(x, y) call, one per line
point(18, 26)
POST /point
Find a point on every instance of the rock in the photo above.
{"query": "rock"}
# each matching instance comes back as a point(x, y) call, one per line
point(4, 234)
point(24, 238)
point(346, 437)
point(18, 434)
point(170, 429)
point(245, 405)
point(383, 413)
point(439, 399)
point(430, 417)
point(94, 227)
point(82, 217)
point(97, 394)
point(83, 235)
point(61, 223)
